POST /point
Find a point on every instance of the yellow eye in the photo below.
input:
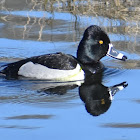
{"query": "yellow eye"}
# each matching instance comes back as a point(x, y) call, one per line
point(101, 42)
point(102, 101)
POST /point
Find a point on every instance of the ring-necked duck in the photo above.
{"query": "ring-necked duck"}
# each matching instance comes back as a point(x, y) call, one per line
point(94, 45)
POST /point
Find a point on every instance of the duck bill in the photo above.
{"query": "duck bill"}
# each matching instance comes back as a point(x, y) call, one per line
point(113, 53)
point(114, 89)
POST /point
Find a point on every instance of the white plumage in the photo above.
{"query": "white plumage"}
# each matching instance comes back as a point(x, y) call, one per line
point(39, 71)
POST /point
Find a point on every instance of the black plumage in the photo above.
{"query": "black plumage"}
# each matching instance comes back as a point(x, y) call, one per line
point(59, 61)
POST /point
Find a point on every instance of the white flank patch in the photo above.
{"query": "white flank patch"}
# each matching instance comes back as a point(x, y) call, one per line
point(39, 71)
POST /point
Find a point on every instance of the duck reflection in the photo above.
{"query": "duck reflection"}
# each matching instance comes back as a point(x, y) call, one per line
point(96, 97)
point(59, 88)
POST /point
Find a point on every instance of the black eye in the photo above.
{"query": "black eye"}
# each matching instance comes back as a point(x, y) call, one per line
point(101, 42)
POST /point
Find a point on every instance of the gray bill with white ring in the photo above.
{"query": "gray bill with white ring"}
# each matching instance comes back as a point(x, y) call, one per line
point(113, 53)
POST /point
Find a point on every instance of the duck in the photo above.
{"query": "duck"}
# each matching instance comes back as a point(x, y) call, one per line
point(94, 45)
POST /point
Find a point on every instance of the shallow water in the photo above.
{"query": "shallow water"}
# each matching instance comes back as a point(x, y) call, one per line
point(35, 109)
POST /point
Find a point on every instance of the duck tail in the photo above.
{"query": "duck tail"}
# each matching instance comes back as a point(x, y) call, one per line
point(2, 69)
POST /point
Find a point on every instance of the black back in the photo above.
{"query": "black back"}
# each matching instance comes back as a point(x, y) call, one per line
point(55, 61)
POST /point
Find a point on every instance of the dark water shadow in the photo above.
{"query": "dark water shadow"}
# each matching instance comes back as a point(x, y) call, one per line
point(27, 117)
point(18, 127)
point(122, 125)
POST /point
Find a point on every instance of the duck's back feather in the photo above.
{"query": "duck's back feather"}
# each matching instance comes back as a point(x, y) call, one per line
point(54, 61)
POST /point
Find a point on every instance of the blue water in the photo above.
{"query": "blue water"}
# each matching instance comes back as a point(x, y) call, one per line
point(28, 112)
point(68, 117)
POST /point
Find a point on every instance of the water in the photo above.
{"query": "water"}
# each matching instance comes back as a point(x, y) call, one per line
point(35, 109)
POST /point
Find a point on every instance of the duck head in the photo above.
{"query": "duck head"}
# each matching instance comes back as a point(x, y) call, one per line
point(96, 44)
